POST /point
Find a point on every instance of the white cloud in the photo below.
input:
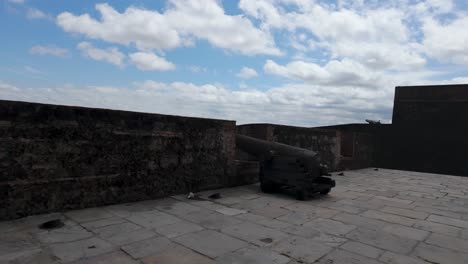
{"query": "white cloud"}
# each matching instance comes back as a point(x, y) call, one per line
point(335, 73)
point(432, 6)
point(459, 80)
point(49, 50)
point(376, 37)
point(317, 106)
point(197, 69)
point(16, 1)
point(291, 104)
point(179, 25)
point(111, 55)
point(344, 59)
point(313, 103)
point(247, 73)
point(148, 61)
point(34, 13)
point(447, 42)
point(32, 70)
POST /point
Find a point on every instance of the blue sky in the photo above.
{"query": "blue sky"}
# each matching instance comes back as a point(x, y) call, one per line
point(297, 62)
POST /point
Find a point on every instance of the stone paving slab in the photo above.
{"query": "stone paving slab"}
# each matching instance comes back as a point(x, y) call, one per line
point(178, 228)
point(449, 242)
point(230, 211)
point(179, 255)
point(407, 232)
point(360, 221)
point(393, 258)
point(339, 256)
point(389, 217)
point(302, 249)
point(103, 223)
point(405, 212)
point(255, 234)
point(210, 243)
point(448, 221)
point(253, 255)
point(382, 216)
point(329, 226)
point(264, 221)
point(438, 228)
point(152, 219)
point(215, 221)
point(86, 215)
point(148, 247)
point(65, 234)
point(383, 240)
point(112, 230)
point(124, 238)
point(116, 257)
point(362, 249)
point(40, 256)
point(435, 254)
point(76, 250)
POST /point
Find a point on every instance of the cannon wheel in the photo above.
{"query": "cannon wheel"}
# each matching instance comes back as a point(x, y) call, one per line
point(326, 191)
point(301, 194)
point(268, 187)
point(265, 185)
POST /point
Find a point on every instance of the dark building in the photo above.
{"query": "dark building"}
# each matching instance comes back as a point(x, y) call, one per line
point(433, 106)
point(428, 131)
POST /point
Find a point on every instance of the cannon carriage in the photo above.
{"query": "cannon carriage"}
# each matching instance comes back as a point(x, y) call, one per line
point(284, 166)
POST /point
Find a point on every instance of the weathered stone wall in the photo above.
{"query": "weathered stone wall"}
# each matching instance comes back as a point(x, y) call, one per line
point(323, 141)
point(341, 147)
point(357, 145)
point(59, 157)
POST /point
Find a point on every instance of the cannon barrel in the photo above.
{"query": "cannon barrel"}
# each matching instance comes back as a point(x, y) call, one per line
point(259, 148)
point(282, 165)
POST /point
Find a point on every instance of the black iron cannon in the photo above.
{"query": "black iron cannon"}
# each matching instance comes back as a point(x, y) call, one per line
point(282, 165)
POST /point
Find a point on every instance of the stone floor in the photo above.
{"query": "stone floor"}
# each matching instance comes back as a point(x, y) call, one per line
point(372, 216)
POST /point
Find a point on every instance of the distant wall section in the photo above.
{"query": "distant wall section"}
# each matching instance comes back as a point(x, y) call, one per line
point(340, 147)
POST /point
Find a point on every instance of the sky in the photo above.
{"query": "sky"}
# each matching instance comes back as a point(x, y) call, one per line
point(294, 62)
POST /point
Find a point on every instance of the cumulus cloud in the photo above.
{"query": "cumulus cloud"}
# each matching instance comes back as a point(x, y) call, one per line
point(16, 1)
point(197, 69)
point(377, 37)
point(432, 6)
point(337, 73)
point(111, 55)
point(247, 73)
point(48, 50)
point(148, 61)
point(303, 105)
point(34, 13)
point(344, 59)
point(32, 70)
point(179, 25)
point(447, 42)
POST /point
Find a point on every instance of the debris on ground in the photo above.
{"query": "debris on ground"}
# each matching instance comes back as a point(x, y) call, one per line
point(376, 169)
point(215, 196)
point(191, 195)
point(341, 174)
point(266, 240)
point(194, 196)
point(52, 224)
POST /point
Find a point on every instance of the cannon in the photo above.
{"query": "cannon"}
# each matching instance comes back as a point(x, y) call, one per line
point(284, 166)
